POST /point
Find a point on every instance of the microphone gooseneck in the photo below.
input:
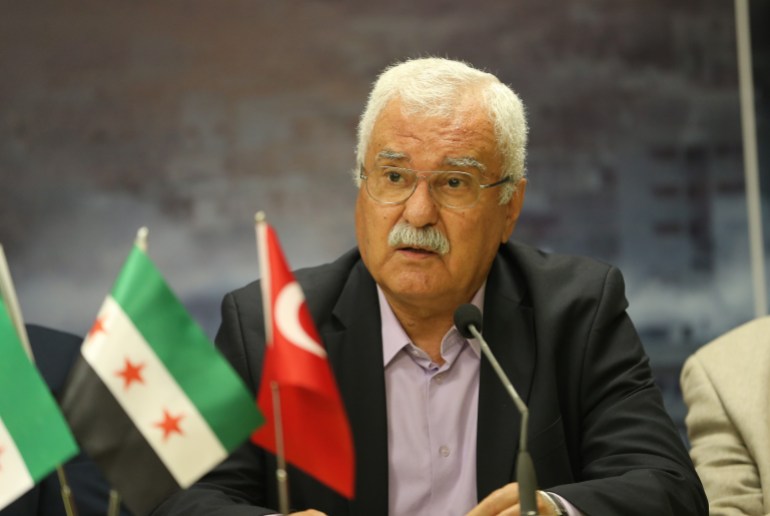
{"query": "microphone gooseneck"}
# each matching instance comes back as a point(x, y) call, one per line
point(468, 320)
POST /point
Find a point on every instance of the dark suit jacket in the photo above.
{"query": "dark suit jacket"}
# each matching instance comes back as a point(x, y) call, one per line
point(55, 352)
point(599, 435)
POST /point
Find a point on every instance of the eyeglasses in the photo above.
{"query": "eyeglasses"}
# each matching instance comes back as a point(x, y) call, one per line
point(451, 189)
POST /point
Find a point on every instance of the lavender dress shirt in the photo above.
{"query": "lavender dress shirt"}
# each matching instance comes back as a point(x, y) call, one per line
point(432, 421)
point(432, 412)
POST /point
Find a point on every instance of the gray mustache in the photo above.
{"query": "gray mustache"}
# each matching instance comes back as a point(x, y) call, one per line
point(428, 238)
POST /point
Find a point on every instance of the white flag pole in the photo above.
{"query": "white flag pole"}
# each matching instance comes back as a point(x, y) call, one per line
point(264, 272)
point(141, 238)
point(281, 475)
point(8, 293)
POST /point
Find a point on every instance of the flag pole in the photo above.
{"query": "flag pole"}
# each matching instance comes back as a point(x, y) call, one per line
point(141, 238)
point(280, 471)
point(8, 294)
point(113, 508)
point(264, 272)
point(66, 493)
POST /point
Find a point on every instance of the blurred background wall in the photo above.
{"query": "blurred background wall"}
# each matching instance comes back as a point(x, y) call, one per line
point(189, 116)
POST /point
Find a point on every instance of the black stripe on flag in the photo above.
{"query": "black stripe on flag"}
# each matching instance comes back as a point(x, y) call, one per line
point(107, 435)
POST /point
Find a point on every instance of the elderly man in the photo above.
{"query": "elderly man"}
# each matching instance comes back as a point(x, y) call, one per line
point(441, 183)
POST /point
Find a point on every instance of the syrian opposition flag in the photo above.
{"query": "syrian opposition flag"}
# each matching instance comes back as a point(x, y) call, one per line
point(316, 433)
point(34, 437)
point(150, 399)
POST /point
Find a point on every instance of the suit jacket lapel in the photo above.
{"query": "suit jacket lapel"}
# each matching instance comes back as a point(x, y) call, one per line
point(508, 329)
point(354, 344)
point(355, 354)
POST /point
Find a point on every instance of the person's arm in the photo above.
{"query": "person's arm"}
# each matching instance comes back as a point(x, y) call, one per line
point(724, 464)
point(631, 457)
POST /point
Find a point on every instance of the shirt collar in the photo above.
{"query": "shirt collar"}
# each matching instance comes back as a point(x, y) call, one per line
point(394, 338)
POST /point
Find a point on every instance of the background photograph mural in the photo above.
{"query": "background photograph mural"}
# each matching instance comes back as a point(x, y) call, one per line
point(188, 117)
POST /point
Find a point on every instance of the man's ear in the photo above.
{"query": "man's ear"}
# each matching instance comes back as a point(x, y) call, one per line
point(513, 209)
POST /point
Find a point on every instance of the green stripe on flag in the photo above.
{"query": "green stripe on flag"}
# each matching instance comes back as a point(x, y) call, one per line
point(204, 375)
point(27, 408)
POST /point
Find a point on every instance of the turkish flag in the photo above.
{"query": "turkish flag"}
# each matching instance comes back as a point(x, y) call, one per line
point(316, 433)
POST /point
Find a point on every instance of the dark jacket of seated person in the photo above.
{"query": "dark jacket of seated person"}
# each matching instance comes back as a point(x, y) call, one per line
point(55, 353)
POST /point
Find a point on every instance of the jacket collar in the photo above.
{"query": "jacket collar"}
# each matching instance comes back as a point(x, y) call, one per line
point(354, 344)
point(355, 353)
point(509, 331)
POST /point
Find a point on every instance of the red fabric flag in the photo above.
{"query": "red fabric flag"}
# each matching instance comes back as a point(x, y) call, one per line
point(316, 433)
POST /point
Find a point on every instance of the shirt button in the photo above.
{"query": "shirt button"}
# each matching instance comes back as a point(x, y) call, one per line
point(444, 451)
point(439, 378)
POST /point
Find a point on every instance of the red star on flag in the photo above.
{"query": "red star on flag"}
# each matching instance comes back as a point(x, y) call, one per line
point(131, 373)
point(98, 327)
point(170, 424)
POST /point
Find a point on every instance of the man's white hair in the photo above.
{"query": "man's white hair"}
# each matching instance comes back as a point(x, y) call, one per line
point(435, 87)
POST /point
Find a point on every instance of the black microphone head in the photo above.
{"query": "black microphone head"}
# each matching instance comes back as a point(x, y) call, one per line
point(466, 316)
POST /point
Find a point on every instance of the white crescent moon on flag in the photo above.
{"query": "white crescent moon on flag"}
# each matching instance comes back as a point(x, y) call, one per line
point(287, 306)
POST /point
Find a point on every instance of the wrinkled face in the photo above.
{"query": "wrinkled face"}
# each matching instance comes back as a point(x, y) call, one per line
point(414, 276)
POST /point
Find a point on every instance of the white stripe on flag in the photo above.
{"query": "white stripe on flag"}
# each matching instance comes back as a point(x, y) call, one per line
point(14, 475)
point(186, 456)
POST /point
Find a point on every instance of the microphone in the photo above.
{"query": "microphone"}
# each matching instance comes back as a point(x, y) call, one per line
point(468, 322)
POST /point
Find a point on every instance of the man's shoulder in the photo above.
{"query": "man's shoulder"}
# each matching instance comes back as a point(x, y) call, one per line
point(55, 351)
point(538, 268)
point(323, 281)
point(328, 274)
point(534, 257)
point(559, 288)
point(44, 336)
point(749, 343)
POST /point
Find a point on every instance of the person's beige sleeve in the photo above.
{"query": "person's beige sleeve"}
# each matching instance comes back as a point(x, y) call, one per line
point(725, 387)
